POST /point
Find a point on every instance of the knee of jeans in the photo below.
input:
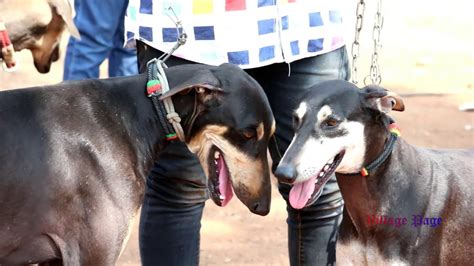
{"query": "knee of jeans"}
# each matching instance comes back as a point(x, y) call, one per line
point(324, 211)
point(176, 191)
point(309, 218)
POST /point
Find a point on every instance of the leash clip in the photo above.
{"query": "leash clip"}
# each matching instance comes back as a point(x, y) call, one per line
point(181, 37)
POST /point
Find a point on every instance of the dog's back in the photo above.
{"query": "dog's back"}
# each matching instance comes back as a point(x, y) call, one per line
point(452, 192)
point(58, 145)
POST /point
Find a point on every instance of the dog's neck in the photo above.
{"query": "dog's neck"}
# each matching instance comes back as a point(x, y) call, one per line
point(361, 197)
point(186, 105)
point(142, 121)
point(375, 195)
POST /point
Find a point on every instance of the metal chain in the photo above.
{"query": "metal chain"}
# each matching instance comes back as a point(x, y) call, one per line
point(375, 75)
point(356, 45)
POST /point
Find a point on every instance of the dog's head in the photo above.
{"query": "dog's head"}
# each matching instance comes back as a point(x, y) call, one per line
point(228, 127)
point(333, 124)
point(38, 27)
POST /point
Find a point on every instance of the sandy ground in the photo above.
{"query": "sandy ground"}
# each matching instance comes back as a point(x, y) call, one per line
point(427, 56)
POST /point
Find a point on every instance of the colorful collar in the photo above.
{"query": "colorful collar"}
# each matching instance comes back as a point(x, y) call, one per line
point(157, 85)
point(394, 134)
point(7, 58)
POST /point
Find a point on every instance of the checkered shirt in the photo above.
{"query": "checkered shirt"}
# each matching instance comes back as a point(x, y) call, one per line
point(249, 33)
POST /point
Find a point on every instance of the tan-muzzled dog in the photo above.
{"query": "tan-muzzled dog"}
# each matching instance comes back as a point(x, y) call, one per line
point(74, 157)
point(37, 25)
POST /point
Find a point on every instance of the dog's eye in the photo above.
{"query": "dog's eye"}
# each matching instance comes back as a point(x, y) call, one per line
point(38, 30)
point(249, 133)
point(331, 122)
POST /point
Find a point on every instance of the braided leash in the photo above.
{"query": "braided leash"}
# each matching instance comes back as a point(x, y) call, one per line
point(156, 86)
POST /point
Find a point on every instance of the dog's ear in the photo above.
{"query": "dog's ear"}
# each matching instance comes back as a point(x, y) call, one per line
point(65, 10)
point(206, 85)
point(378, 98)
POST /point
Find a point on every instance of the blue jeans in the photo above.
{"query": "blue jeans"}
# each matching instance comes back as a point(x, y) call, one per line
point(101, 25)
point(176, 186)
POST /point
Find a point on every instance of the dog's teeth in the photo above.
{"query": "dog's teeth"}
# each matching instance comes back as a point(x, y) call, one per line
point(216, 155)
point(330, 161)
point(221, 197)
point(326, 167)
point(321, 174)
point(317, 180)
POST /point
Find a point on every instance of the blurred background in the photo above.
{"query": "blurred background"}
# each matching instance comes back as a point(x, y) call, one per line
point(427, 56)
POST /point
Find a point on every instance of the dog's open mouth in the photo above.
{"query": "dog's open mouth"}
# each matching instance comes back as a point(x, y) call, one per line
point(219, 182)
point(306, 193)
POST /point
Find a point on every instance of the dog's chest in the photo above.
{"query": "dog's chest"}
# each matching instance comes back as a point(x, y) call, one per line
point(354, 252)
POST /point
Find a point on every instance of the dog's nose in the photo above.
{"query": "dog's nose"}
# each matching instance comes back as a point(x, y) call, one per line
point(286, 173)
point(260, 208)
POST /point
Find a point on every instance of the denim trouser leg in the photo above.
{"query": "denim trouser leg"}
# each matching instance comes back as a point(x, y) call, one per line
point(98, 23)
point(122, 61)
point(312, 231)
point(169, 233)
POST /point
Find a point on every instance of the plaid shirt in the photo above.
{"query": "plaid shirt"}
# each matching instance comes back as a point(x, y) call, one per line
point(249, 33)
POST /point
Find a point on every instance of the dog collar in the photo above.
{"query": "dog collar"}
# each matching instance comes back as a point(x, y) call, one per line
point(6, 49)
point(157, 85)
point(388, 148)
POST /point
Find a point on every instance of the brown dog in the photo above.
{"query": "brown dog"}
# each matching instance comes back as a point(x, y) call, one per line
point(37, 25)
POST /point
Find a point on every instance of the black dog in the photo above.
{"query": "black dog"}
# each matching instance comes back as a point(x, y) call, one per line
point(74, 156)
point(408, 205)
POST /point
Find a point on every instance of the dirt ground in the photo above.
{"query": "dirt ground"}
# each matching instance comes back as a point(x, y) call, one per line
point(427, 57)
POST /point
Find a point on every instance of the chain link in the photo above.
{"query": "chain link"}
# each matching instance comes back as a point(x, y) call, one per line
point(356, 45)
point(375, 75)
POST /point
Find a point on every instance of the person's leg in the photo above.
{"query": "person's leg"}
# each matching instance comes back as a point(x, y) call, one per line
point(170, 220)
point(122, 61)
point(312, 231)
point(97, 22)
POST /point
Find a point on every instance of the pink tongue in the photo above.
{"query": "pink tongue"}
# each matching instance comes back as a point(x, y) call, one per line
point(225, 186)
point(300, 193)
